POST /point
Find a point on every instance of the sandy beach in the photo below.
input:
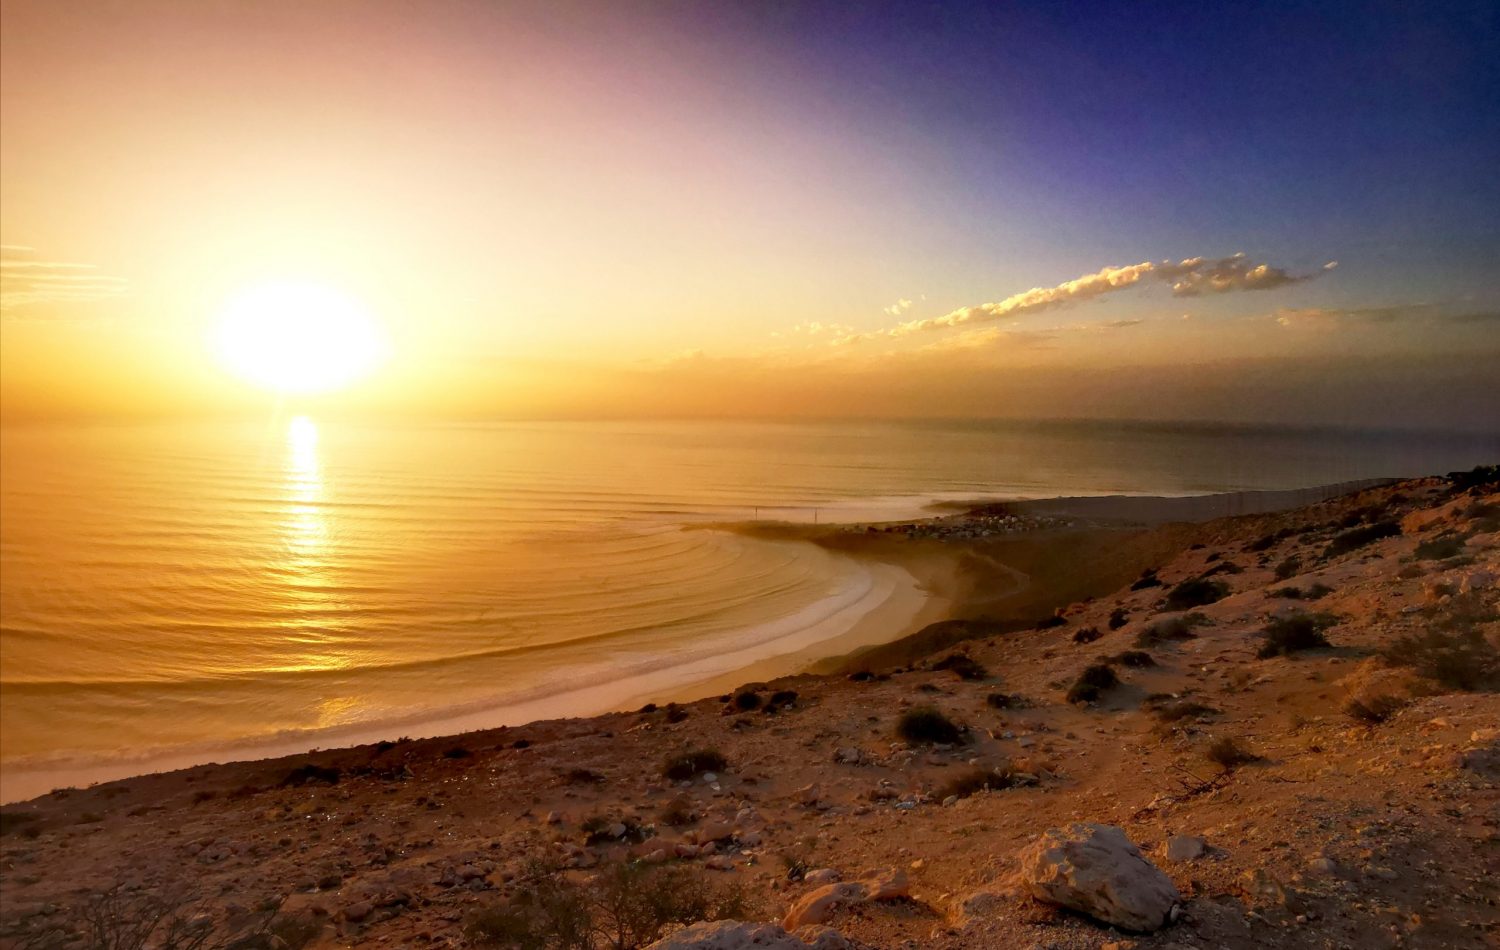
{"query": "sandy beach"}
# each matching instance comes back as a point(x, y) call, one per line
point(1339, 794)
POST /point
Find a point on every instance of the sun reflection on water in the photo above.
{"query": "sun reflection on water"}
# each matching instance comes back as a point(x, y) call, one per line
point(305, 535)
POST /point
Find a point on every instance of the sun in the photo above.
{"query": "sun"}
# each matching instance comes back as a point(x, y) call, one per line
point(294, 337)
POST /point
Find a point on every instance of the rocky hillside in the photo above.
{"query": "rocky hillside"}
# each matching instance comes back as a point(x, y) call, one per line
point(1285, 735)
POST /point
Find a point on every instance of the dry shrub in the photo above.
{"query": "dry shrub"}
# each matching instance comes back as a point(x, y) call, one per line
point(925, 725)
point(965, 666)
point(623, 907)
point(1458, 660)
point(1091, 682)
point(1228, 752)
point(977, 780)
point(1195, 593)
point(1294, 633)
point(689, 765)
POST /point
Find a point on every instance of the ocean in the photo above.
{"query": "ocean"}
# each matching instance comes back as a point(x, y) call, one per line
point(175, 593)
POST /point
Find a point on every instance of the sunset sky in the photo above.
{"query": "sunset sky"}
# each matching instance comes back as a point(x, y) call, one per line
point(1281, 213)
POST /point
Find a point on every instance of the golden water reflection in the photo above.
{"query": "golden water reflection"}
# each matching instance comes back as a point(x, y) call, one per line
point(306, 531)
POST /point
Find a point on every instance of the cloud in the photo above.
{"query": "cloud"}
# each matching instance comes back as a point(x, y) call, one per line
point(1329, 317)
point(36, 287)
point(898, 308)
point(1190, 277)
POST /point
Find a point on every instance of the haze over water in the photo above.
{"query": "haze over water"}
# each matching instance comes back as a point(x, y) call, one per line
point(207, 587)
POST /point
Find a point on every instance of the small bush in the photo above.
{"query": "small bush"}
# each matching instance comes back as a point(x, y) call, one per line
point(1195, 593)
point(1228, 752)
point(926, 725)
point(783, 697)
point(1288, 568)
point(1439, 549)
point(689, 765)
point(977, 780)
point(1315, 592)
point(1166, 631)
point(1355, 538)
point(1086, 635)
point(1148, 579)
point(1481, 476)
point(675, 713)
point(1056, 620)
point(747, 701)
point(303, 774)
point(1373, 710)
point(677, 812)
point(1135, 658)
point(582, 776)
point(965, 666)
point(1294, 633)
point(1168, 708)
point(622, 907)
point(1459, 660)
point(457, 752)
point(1002, 701)
point(1091, 682)
point(1118, 618)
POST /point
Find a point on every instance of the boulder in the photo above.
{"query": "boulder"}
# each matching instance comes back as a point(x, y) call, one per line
point(1180, 848)
point(739, 935)
point(1095, 870)
point(818, 905)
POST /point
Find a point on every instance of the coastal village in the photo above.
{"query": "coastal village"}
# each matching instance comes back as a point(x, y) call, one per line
point(1286, 734)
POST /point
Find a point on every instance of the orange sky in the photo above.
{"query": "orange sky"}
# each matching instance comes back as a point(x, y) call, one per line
point(599, 211)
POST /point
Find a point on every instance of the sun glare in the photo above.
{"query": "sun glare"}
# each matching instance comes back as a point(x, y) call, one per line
point(298, 338)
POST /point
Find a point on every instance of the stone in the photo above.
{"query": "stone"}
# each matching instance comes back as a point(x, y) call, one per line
point(713, 831)
point(1096, 870)
point(740, 935)
point(1324, 866)
point(822, 876)
point(358, 911)
point(817, 906)
point(1180, 848)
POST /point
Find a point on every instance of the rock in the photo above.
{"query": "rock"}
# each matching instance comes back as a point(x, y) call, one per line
point(713, 831)
point(739, 935)
point(822, 876)
point(554, 818)
point(818, 905)
point(719, 862)
point(1096, 870)
point(848, 755)
point(1324, 866)
point(358, 911)
point(1180, 848)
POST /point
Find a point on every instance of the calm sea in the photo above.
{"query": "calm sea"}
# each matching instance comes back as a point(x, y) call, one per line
point(202, 589)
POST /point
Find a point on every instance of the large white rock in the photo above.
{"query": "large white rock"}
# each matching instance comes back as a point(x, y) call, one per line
point(739, 935)
point(1096, 870)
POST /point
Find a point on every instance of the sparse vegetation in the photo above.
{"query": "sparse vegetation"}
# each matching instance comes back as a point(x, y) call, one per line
point(689, 765)
point(605, 829)
point(977, 780)
point(965, 666)
point(457, 752)
point(1166, 631)
point(1481, 476)
point(124, 919)
point(1196, 592)
point(1458, 660)
point(1294, 633)
point(1440, 548)
point(1093, 681)
point(1356, 538)
point(925, 725)
point(1003, 701)
point(1148, 579)
point(1086, 635)
point(1135, 658)
point(1288, 568)
point(1118, 618)
point(303, 774)
point(1168, 708)
point(1228, 753)
point(1315, 592)
point(582, 776)
point(623, 907)
point(747, 701)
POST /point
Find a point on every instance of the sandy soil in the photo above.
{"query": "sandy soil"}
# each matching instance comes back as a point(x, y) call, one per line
point(1339, 830)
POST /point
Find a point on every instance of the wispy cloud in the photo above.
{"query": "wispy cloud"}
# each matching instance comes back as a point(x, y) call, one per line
point(1191, 277)
point(1328, 317)
point(30, 286)
point(898, 308)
